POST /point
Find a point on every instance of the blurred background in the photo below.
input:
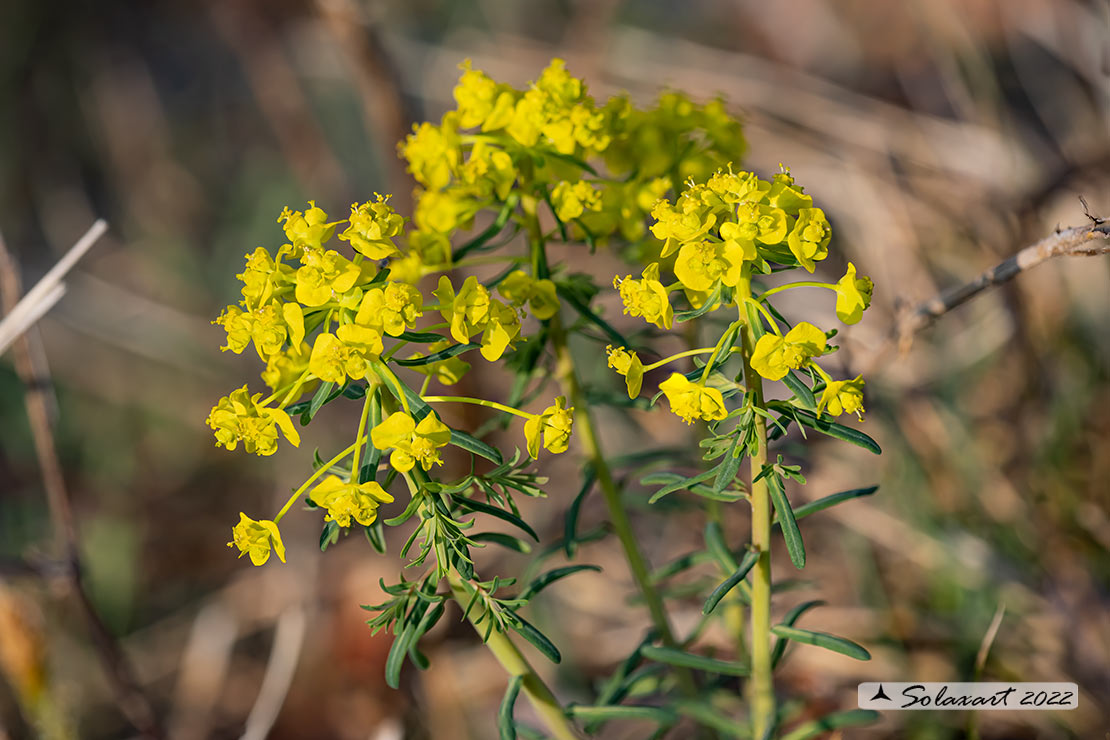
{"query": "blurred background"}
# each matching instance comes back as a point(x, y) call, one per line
point(941, 136)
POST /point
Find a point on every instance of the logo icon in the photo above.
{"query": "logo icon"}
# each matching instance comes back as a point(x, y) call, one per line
point(880, 694)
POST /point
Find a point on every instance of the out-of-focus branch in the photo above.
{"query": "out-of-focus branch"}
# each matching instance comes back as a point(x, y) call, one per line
point(1079, 241)
point(132, 702)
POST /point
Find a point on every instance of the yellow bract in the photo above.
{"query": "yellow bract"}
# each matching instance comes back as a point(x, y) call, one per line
point(843, 397)
point(853, 295)
point(552, 428)
point(519, 288)
point(391, 309)
point(347, 500)
point(411, 442)
point(572, 200)
point(627, 363)
point(254, 538)
point(692, 400)
point(701, 264)
point(308, 229)
point(373, 225)
point(448, 371)
point(473, 311)
point(324, 276)
point(809, 241)
point(345, 354)
point(647, 297)
point(238, 417)
point(774, 356)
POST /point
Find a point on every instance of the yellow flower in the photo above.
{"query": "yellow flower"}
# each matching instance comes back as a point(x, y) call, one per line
point(373, 225)
point(261, 277)
point(690, 221)
point(411, 442)
point(285, 367)
point(489, 172)
point(739, 187)
point(853, 295)
point(809, 241)
point(764, 223)
point(519, 288)
point(647, 297)
point(528, 118)
point(448, 371)
point(347, 501)
point(254, 538)
point(445, 211)
point(391, 309)
point(843, 397)
point(628, 364)
point(468, 311)
point(308, 229)
point(572, 200)
point(238, 417)
point(347, 353)
point(553, 427)
point(774, 356)
point(324, 276)
point(502, 327)
point(784, 194)
point(476, 95)
point(701, 264)
point(691, 400)
point(432, 153)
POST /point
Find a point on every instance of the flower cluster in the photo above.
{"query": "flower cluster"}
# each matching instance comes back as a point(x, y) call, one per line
point(717, 236)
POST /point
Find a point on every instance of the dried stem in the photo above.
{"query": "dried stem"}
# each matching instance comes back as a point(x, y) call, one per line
point(1079, 241)
point(132, 702)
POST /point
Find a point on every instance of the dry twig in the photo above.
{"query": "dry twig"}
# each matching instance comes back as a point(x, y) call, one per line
point(132, 702)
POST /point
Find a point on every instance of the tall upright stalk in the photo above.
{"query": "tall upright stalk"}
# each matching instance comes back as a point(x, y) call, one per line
point(567, 376)
point(511, 659)
point(761, 688)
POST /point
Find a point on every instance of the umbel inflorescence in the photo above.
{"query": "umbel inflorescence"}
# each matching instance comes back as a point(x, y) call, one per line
point(379, 307)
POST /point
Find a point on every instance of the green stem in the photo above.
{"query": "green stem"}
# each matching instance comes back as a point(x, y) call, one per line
point(802, 284)
point(477, 402)
point(586, 433)
point(515, 664)
point(761, 689)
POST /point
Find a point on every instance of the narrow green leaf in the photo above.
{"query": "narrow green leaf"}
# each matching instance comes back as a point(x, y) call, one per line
point(421, 336)
point(672, 656)
point(505, 725)
point(576, 161)
point(584, 310)
point(788, 621)
point(369, 469)
point(376, 536)
point(682, 484)
point(730, 583)
point(475, 446)
point(840, 645)
point(825, 425)
point(318, 400)
point(505, 540)
point(713, 298)
point(537, 638)
point(570, 523)
point(798, 387)
point(490, 231)
point(329, 535)
point(850, 718)
point(353, 391)
point(789, 525)
point(380, 277)
point(604, 713)
point(413, 506)
point(831, 500)
point(443, 354)
point(472, 505)
point(396, 656)
point(705, 714)
point(543, 581)
point(726, 471)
